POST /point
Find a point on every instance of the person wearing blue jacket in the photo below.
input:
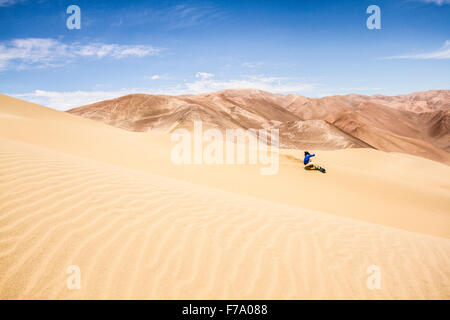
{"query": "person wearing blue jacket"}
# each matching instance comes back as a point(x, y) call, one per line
point(307, 157)
point(311, 166)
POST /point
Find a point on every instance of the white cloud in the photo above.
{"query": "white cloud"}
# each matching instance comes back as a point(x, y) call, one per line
point(70, 99)
point(185, 16)
point(39, 52)
point(170, 17)
point(204, 75)
point(442, 53)
point(7, 3)
point(438, 2)
point(113, 50)
point(252, 65)
point(271, 84)
point(64, 100)
point(158, 77)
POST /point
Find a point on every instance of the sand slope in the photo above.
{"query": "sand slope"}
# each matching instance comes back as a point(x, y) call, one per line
point(384, 188)
point(140, 235)
point(77, 192)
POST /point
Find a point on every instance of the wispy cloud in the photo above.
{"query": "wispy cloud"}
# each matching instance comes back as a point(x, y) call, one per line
point(180, 16)
point(272, 84)
point(442, 53)
point(252, 65)
point(158, 77)
point(204, 75)
point(438, 2)
point(45, 52)
point(64, 100)
point(113, 50)
point(185, 15)
point(203, 82)
point(7, 3)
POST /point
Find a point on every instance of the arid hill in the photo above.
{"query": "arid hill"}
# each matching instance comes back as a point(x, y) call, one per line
point(416, 123)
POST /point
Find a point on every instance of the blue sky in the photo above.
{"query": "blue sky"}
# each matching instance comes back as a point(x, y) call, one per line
point(314, 48)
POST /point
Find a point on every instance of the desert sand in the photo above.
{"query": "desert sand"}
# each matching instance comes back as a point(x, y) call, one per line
point(75, 191)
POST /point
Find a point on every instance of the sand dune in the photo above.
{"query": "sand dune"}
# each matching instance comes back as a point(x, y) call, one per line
point(409, 186)
point(137, 235)
point(78, 192)
point(417, 123)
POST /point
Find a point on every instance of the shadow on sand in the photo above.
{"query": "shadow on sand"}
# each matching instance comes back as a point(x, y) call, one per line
point(314, 167)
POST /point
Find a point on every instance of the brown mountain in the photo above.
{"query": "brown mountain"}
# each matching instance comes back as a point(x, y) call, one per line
point(416, 123)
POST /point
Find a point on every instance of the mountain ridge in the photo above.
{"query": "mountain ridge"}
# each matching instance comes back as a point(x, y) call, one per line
point(416, 123)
